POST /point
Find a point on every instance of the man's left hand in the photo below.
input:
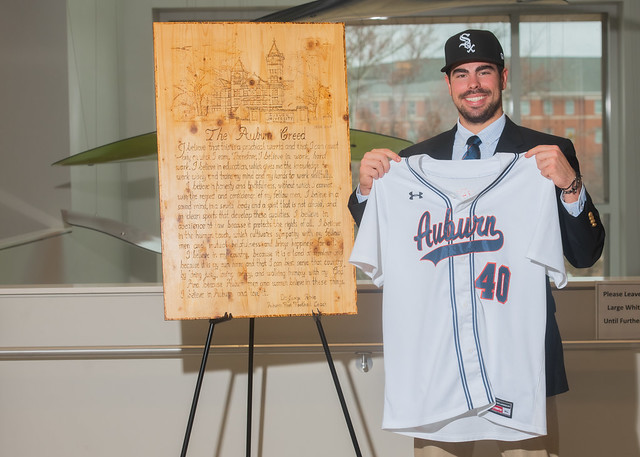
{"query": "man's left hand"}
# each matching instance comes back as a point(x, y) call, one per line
point(554, 165)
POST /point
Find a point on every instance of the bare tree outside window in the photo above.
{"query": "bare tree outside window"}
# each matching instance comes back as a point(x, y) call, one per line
point(389, 66)
point(396, 87)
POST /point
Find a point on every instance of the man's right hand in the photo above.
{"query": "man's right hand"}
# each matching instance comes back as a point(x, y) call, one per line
point(374, 165)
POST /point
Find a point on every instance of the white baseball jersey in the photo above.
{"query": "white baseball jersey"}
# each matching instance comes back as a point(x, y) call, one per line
point(462, 248)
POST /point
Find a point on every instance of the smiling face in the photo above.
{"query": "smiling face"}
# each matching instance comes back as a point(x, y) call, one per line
point(476, 90)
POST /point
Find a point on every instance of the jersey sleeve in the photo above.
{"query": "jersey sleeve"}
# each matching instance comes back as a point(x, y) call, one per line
point(367, 249)
point(545, 246)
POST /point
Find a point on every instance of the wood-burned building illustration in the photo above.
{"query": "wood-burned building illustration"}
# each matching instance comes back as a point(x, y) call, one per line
point(219, 91)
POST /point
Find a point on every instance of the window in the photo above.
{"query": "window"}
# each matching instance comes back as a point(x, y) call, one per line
point(559, 70)
point(375, 108)
point(569, 107)
point(547, 107)
point(569, 75)
point(411, 108)
point(559, 83)
point(598, 136)
point(597, 106)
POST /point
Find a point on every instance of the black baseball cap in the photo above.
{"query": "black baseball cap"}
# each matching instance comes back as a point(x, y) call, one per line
point(472, 46)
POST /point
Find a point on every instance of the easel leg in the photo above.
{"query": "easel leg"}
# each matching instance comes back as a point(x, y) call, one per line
point(250, 385)
point(343, 403)
point(196, 395)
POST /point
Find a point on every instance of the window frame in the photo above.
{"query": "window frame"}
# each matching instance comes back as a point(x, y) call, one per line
point(610, 16)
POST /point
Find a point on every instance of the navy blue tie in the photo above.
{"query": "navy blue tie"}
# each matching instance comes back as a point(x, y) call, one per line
point(473, 148)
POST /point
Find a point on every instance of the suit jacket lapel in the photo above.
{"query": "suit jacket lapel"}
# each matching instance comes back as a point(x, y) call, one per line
point(442, 146)
point(511, 139)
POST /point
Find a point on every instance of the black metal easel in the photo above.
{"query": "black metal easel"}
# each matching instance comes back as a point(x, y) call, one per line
point(336, 381)
point(196, 394)
point(203, 364)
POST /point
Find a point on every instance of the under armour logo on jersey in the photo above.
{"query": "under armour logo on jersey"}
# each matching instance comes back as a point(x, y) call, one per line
point(466, 43)
point(412, 195)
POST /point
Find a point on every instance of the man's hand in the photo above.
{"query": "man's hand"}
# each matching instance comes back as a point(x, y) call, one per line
point(374, 165)
point(554, 165)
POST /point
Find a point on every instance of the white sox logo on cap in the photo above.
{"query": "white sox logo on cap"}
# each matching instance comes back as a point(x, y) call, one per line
point(472, 45)
point(466, 43)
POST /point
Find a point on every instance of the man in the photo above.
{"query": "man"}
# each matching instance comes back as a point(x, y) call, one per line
point(475, 76)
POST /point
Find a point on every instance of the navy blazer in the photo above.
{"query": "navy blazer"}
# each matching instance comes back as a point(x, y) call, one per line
point(582, 236)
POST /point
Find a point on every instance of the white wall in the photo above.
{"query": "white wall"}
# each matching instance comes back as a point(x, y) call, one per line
point(98, 372)
point(62, 401)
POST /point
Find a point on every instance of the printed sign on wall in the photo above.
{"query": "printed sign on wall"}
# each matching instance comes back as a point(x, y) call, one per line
point(618, 305)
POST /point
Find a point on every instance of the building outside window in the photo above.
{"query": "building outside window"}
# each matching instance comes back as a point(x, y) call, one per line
point(558, 77)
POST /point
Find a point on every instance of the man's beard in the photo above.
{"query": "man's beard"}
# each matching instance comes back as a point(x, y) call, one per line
point(480, 117)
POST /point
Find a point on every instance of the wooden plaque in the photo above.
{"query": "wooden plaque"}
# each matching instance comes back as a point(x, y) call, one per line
point(254, 169)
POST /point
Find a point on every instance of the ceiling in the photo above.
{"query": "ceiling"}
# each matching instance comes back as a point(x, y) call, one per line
point(351, 10)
